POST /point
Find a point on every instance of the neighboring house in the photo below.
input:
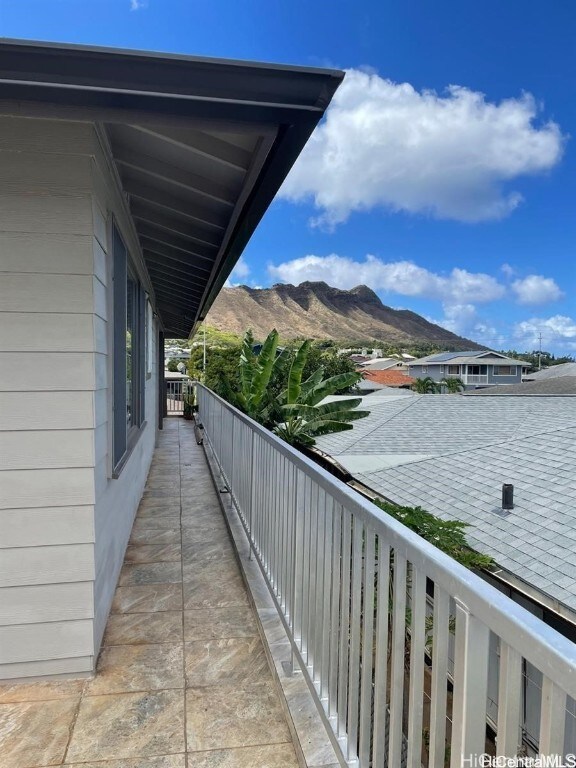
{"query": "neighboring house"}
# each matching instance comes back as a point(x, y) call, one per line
point(381, 363)
point(476, 368)
point(130, 184)
point(451, 455)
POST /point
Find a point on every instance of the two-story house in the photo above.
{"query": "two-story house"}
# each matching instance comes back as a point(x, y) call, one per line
point(476, 368)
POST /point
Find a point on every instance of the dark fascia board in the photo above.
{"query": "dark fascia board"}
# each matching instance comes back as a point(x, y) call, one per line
point(214, 88)
point(290, 99)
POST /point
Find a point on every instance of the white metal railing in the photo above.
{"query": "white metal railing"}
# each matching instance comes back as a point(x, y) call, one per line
point(475, 378)
point(352, 587)
point(176, 389)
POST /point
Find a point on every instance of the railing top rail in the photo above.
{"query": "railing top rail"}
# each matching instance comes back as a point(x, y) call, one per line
point(540, 644)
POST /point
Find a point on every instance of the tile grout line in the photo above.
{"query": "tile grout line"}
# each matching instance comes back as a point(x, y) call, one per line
point(182, 591)
point(73, 723)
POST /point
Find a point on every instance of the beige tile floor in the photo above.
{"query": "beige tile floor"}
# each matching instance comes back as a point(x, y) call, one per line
point(182, 680)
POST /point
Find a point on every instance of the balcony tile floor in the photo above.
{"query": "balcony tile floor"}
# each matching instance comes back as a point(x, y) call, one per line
point(182, 679)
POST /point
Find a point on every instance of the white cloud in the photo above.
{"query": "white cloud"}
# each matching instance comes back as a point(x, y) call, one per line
point(136, 5)
point(385, 144)
point(401, 277)
point(557, 331)
point(241, 269)
point(463, 319)
point(536, 289)
point(508, 270)
point(238, 274)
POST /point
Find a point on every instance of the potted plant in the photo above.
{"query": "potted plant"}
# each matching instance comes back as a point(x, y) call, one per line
point(188, 410)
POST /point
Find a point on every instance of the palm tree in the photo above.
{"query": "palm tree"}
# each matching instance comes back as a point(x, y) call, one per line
point(452, 385)
point(426, 386)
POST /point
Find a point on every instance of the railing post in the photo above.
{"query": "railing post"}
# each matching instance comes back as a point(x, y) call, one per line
point(252, 496)
point(470, 687)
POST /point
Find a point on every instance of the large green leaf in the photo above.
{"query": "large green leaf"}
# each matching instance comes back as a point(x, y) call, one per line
point(311, 382)
point(265, 364)
point(329, 386)
point(340, 416)
point(295, 375)
point(339, 405)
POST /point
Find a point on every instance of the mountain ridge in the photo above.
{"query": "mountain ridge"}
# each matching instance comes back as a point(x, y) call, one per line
point(317, 310)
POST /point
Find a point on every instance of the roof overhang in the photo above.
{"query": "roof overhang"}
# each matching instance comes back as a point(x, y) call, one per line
point(201, 146)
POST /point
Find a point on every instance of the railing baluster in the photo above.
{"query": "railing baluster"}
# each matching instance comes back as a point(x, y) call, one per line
point(355, 627)
point(438, 692)
point(417, 648)
point(366, 686)
point(552, 718)
point(344, 623)
point(335, 611)
point(326, 598)
point(509, 701)
point(397, 662)
point(470, 687)
point(381, 656)
point(306, 572)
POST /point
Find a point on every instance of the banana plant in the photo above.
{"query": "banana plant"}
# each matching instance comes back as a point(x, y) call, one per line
point(300, 418)
point(256, 370)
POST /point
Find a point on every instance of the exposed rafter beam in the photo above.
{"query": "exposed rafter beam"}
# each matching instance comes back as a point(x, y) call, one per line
point(176, 205)
point(201, 265)
point(190, 250)
point(179, 178)
point(201, 143)
point(174, 266)
point(187, 293)
point(208, 241)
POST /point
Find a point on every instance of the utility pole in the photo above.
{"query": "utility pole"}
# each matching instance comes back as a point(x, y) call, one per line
point(540, 350)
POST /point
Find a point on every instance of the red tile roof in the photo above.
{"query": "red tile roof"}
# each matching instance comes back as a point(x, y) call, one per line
point(389, 378)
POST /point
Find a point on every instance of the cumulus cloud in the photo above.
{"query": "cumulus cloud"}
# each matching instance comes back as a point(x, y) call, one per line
point(136, 5)
point(402, 277)
point(536, 289)
point(238, 274)
point(557, 331)
point(451, 156)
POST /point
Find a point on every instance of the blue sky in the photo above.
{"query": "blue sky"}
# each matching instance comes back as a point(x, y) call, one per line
point(443, 175)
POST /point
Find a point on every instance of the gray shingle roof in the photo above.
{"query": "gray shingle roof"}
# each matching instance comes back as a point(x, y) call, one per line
point(469, 447)
point(554, 372)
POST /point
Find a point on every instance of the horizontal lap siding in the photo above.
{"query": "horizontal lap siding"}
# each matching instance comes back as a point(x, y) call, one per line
point(116, 499)
point(51, 330)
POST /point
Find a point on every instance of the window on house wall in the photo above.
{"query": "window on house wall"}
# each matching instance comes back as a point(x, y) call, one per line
point(453, 370)
point(149, 341)
point(424, 369)
point(128, 355)
point(505, 370)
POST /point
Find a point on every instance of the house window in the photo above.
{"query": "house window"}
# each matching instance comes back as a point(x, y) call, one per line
point(477, 370)
point(453, 370)
point(424, 369)
point(128, 355)
point(505, 370)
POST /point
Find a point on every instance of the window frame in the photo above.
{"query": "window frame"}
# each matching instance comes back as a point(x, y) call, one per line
point(511, 368)
point(125, 432)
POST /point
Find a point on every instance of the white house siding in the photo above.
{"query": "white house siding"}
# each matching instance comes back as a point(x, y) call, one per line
point(47, 379)
point(117, 498)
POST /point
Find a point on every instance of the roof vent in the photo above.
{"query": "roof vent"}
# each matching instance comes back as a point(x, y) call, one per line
point(507, 496)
